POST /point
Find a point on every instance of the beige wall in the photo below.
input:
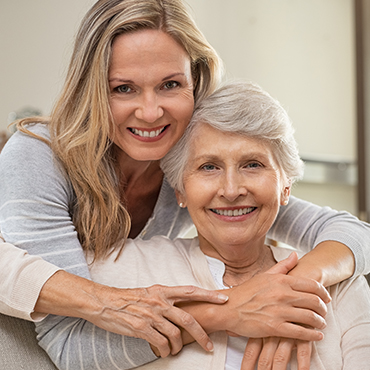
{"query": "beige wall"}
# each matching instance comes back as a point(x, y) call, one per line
point(301, 51)
point(35, 42)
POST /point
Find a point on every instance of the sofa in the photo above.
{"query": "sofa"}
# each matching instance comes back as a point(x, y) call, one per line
point(18, 346)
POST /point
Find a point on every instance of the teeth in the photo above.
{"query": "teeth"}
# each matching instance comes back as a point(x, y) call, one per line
point(235, 212)
point(147, 133)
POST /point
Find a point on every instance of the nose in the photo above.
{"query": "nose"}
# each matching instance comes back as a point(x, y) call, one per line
point(232, 186)
point(149, 109)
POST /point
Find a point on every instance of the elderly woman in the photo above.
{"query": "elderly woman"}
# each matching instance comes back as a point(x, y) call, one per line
point(89, 175)
point(233, 169)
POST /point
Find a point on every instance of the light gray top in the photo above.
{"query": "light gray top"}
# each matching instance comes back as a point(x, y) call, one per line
point(35, 214)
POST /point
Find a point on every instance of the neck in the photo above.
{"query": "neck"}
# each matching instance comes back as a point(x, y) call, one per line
point(132, 171)
point(236, 274)
point(242, 262)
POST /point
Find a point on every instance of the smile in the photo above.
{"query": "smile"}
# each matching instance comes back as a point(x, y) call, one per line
point(147, 133)
point(233, 213)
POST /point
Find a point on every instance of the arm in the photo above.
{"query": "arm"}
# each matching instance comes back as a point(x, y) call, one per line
point(305, 225)
point(35, 216)
point(19, 293)
point(268, 305)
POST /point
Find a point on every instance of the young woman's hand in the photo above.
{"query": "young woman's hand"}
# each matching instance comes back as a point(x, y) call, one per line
point(146, 313)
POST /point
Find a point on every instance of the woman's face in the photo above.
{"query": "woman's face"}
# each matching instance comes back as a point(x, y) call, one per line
point(151, 93)
point(233, 190)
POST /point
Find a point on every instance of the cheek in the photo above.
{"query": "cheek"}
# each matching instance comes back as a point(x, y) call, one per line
point(184, 106)
point(120, 111)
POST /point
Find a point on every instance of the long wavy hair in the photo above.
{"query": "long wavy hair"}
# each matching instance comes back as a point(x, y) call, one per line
point(81, 121)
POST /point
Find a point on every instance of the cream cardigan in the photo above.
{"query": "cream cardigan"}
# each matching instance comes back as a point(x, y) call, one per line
point(181, 262)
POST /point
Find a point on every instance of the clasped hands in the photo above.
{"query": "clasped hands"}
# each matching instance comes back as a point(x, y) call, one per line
point(276, 311)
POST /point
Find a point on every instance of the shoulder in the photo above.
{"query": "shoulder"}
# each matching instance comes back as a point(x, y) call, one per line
point(23, 148)
point(28, 166)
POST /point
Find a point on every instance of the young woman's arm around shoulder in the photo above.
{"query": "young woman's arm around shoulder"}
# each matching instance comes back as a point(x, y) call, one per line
point(35, 215)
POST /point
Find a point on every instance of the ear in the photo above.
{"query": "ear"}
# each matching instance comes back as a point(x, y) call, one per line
point(180, 199)
point(285, 193)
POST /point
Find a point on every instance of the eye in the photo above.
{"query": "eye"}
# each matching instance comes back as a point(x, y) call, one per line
point(169, 85)
point(124, 89)
point(208, 167)
point(253, 165)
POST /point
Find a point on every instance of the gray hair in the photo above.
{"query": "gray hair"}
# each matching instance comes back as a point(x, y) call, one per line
point(245, 109)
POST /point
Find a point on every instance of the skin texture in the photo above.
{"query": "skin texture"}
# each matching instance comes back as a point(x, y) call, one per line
point(151, 90)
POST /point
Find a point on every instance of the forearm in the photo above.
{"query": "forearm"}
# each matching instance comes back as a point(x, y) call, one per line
point(267, 305)
point(328, 263)
point(304, 226)
point(22, 277)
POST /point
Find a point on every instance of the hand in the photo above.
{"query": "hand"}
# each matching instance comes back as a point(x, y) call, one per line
point(272, 304)
point(146, 313)
point(275, 353)
point(150, 314)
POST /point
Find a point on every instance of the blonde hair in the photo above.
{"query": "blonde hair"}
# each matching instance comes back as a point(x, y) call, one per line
point(81, 121)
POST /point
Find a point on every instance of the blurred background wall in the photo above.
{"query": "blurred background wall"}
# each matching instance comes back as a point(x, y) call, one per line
point(301, 51)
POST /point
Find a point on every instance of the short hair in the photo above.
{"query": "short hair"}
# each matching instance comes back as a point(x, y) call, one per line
point(245, 109)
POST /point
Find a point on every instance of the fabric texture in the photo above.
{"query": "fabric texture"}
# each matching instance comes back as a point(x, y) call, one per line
point(19, 349)
point(347, 336)
point(35, 216)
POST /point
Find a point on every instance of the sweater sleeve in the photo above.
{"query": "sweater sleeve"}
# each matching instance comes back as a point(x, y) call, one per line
point(35, 216)
point(18, 292)
point(351, 307)
point(304, 225)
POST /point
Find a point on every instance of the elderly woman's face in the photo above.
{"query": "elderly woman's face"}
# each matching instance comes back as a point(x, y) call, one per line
point(151, 93)
point(233, 188)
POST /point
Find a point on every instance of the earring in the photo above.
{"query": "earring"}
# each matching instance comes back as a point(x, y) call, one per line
point(181, 205)
point(285, 202)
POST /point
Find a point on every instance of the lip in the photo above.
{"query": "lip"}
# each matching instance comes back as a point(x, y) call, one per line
point(237, 213)
point(134, 131)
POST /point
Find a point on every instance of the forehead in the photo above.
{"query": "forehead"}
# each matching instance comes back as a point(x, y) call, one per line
point(146, 45)
point(207, 140)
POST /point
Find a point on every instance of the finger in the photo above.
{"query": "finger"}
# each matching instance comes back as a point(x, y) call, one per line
point(283, 354)
point(268, 351)
point(251, 353)
point(192, 293)
point(294, 331)
point(187, 322)
point(310, 286)
point(171, 332)
point(158, 341)
point(304, 318)
point(284, 266)
point(311, 302)
point(304, 351)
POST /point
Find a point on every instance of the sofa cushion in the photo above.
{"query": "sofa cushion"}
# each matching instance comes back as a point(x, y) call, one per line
point(18, 346)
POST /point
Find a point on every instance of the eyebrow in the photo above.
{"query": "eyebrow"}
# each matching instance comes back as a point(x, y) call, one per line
point(213, 157)
point(122, 80)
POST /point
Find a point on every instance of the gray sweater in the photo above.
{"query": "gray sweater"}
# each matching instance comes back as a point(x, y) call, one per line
point(35, 214)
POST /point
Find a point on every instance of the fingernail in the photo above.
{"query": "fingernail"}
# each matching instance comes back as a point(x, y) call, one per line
point(209, 347)
point(223, 297)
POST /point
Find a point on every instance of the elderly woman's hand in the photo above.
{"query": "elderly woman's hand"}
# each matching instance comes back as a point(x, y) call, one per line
point(273, 304)
point(275, 353)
